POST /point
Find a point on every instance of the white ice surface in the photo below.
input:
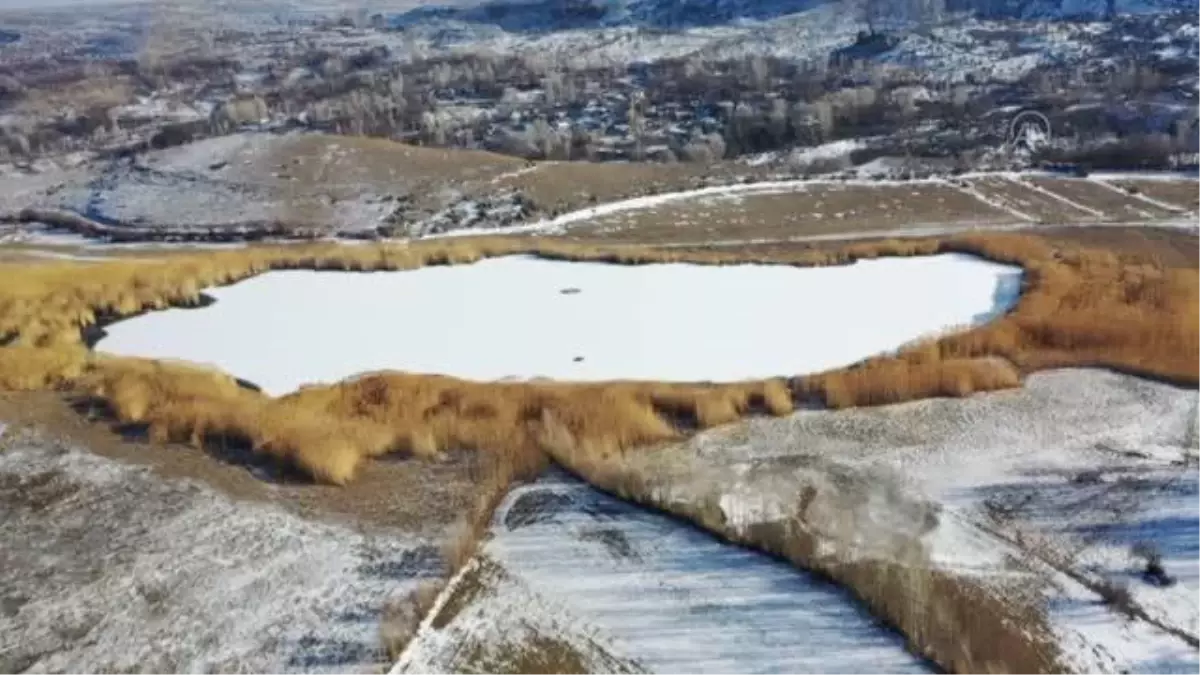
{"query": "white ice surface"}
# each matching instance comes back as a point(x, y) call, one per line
point(509, 317)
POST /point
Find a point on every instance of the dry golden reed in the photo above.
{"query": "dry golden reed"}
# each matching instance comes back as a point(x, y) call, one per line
point(1079, 307)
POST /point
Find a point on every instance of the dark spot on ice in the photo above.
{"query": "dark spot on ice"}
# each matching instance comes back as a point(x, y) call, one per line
point(247, 384)
point(613, 540)
point(535, 507)
point(577, 359)
point(569, 291)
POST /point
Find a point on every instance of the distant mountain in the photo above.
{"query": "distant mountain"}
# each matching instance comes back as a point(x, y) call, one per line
point(553, 15)
point(1065, 9)
point(541, 16)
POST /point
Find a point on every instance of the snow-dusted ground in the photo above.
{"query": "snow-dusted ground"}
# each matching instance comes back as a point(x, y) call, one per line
point(804, 156)
point(221, 181)
point(1043, 490)
point(629, 588)
point(562, 224)
point(520, 316)
point(110, 567)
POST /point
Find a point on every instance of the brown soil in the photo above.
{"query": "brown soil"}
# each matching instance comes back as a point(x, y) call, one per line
point(319, 162)
point(558, 187)
point(1113, 204)
point(311, 173)
point(1182, 193)
point(818, 209)
point(1024, 199)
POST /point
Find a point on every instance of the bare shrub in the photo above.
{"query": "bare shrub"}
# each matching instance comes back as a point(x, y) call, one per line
point(1153, 572)
point(29, 368)
point(1116, 595)
point(496, 475)
point(402, 616)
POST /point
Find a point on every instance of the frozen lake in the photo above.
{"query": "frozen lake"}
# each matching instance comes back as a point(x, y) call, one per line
point(522, 317)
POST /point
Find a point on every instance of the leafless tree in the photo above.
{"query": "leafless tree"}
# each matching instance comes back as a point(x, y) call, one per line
point(759, 73)
point(637, 123)
point(777, 119)
point(552, 87)
point(704, 149)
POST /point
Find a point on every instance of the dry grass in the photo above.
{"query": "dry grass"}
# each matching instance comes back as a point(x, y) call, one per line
point(882, 381)
point(497, 475)
point(1181, 193)
point(29, 368)
point(343, 165)
point(818, 209)
point(101, 91)
point(1080, 307)
point(1016, 195)
point(1160, 247)
point(402, 616)
point(558, 187)
point(1113, 204)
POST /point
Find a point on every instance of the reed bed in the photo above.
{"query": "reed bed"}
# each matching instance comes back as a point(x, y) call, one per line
point(1079, 307)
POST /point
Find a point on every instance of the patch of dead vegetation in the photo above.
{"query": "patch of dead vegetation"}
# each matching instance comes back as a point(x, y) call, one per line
point(1112, 203)
point(1022, 198)
point(98, 92)
point(814, 209)
point(1159, 247)
point(559, 187)
point(535, 653)
point(1184, 194)
point(402, 616)
point(470, 586)
point(322, 163)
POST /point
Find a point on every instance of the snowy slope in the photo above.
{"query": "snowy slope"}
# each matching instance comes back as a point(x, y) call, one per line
point(542, 16)
point(1037, 495)
point(111, 567)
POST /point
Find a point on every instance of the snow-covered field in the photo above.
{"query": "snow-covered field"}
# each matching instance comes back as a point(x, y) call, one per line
point(525, 317)
point(110, 567)
point(1051, 494)
point(628, 589)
